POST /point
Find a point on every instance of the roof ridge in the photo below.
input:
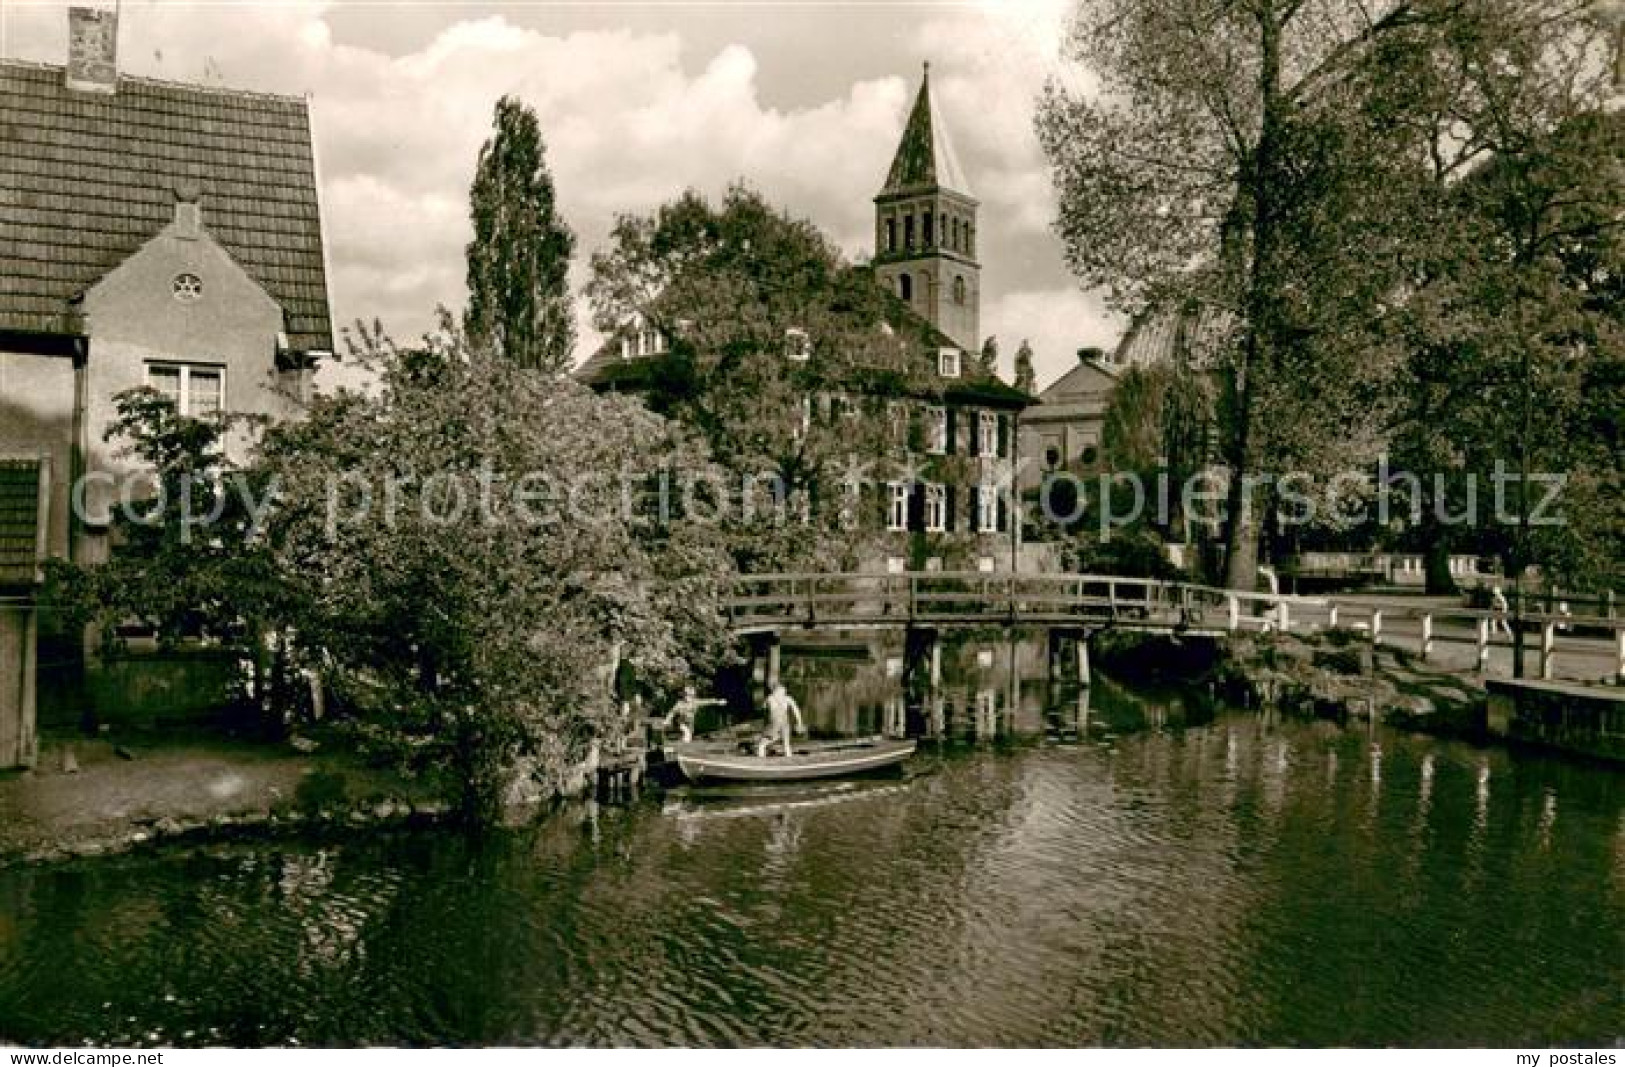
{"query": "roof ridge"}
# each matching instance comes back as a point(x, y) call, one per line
point(169, 83)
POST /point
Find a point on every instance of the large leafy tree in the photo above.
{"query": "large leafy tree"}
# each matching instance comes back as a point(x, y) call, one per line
point(1510, 317)
point(190, 557)
point(519, 259)
point(779, 353)
point(476, 567)
point(1222, 160)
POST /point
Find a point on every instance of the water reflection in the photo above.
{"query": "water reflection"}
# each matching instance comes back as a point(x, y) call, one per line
point(1056, 866)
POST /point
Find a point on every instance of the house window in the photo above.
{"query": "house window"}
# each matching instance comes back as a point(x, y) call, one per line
point(959, 289)
point(650, 342)
point(937, 422)
point(797, 344)
point(905, 288)
point(908, 231)
point(936, 508)
point(891, 235)
point(987, 434)
point(196, 391)
point(987, 509)
point(897, 511)
point(953, 233)
point(628, 348)
point(926, 228)
point(948, 362)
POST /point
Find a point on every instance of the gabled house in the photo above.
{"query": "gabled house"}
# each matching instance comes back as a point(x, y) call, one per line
point(152, 234)
point(1063, 431)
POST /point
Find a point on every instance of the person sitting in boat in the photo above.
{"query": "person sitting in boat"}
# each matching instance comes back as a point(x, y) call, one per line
point(780, 706)
point(687, 710)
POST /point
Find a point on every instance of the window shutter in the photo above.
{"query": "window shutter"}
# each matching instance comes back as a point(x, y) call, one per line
point(953, 428)
point(950, 493)
point(1004, 514)
point(975, 523)
point(883, 495)
point(1004, 437)
point(916, 507)
point(974, 420)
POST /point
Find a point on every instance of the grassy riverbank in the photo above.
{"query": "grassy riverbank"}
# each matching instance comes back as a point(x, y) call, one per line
point(94, 796)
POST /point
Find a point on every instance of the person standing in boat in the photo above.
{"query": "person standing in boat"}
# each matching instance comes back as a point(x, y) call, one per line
point(687, 710)
point(780, 706)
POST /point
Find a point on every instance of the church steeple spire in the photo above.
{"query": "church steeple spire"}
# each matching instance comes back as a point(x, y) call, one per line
point(925, 156)
point(925, 226)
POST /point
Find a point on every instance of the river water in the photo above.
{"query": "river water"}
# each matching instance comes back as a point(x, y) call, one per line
point(1053, 868)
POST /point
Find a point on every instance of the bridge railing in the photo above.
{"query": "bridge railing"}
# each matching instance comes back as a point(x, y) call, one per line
point(775, 601)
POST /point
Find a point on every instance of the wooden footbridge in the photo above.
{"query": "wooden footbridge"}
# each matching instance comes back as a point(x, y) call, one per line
point(765, 606)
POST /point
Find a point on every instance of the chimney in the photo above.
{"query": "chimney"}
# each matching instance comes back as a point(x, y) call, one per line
point(188, 212)
point(92, 50)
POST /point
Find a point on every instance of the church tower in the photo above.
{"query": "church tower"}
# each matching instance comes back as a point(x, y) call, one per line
point(925, 227)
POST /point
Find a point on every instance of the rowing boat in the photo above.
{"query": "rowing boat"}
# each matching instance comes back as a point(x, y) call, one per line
point(714, 761)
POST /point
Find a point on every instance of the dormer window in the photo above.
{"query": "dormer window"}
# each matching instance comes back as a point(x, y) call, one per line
point(797, 345)
point(948, 362)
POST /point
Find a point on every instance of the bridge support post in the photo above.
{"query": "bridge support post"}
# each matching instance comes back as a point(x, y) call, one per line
point(1619, 656)
point(922, 660)
point(1427, 637)
point(1483, 645)
point(1069, 664)
point(774, 662)
point(1548, 649)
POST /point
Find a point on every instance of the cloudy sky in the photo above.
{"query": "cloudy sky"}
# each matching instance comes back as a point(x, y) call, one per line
point(637, 102)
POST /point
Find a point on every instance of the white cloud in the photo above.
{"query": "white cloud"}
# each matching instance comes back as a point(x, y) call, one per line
point(627, 125)
point(1057, 322)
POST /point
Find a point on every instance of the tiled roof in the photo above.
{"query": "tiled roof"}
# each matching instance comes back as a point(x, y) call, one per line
point(1197, 337)
point(19, 521)
point(925, 156)
point(86, 179)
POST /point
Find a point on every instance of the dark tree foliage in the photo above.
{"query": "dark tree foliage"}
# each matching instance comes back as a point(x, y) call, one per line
point(780, 354)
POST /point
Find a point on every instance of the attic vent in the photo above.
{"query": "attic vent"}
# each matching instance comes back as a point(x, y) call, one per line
point(188, 288)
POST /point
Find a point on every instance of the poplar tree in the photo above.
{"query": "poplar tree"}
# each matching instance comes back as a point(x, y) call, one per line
point(519, 260)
